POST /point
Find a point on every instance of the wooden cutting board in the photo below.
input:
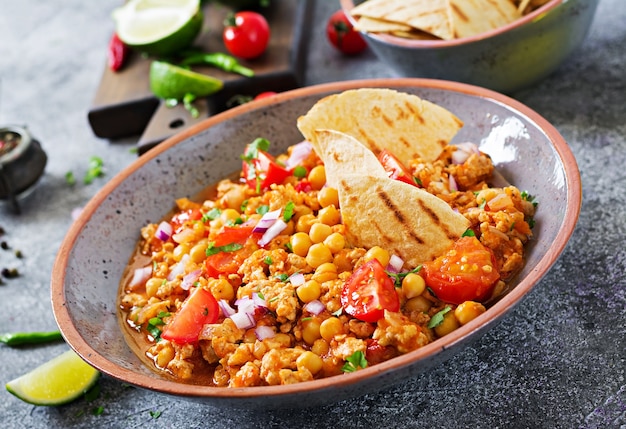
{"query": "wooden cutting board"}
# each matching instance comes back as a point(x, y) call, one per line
point(124, 106)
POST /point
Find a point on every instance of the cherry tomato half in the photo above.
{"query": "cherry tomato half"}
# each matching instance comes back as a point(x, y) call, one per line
point(342, 35)
point(369, 292)
point(264, 95)
point(262, 171)
point(246, 34)
point(198, 309)
point(228, 262)
point(395, 168)
point(467, 272)
point(184, 218)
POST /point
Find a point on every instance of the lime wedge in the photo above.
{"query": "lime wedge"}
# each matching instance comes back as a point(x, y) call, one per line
point(169, 81)
point(56, 382)
point(157, 27)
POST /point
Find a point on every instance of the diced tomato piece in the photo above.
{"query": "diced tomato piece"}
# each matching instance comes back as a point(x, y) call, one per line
point(181, 219)
point(198, 309)
point(467, 272)
point(263, 171)
point(228, 262)
point(395, 168)
point(375, 353)
point(369, 292)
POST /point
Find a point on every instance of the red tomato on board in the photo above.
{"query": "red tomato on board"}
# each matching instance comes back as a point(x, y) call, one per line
point(264, 95)
point(395, 168)
point(199, 309)
point(467, 272)
point(264, 172)
point(342, 35)
point(228, 262)
point(369, 292)
point(246, 34)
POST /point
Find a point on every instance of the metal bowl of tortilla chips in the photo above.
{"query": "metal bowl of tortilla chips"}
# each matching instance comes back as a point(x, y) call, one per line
point(504, 45)
point(525, 149)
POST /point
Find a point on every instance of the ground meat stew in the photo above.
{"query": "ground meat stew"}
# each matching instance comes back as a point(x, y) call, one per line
point(257, 285)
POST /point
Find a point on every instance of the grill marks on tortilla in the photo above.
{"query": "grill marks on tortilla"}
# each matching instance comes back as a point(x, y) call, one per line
point(433, 216)
point(384, 197)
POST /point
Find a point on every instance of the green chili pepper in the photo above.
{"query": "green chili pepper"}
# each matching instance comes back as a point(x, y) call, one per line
point(19, 338)
point(220, 60)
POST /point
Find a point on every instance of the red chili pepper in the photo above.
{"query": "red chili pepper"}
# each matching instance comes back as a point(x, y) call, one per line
point(118, 53)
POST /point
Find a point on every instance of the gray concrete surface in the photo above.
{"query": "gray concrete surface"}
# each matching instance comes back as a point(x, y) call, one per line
point(557, 361)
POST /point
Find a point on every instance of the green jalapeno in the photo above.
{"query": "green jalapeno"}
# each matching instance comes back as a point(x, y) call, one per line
point(20, 338)
point(217, 59)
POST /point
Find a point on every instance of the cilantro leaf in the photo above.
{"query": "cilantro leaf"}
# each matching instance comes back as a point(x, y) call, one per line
point(355, 361)
point(398, 277)
point(288, 213)
point(437, 318)
point(212, 249)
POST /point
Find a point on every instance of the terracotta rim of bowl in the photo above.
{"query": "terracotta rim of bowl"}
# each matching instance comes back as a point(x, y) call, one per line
point(348, 5)
point(500, 308)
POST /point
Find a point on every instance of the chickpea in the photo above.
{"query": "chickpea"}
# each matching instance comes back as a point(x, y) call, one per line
point(319, 232)
point(335, 242)
point(198, 251)
point(379, 253)
point(418, 303)
point(329, 215)
point(448, 325)
point(229, 216)
point(282, 339)
point(320, 347)
point(164, 356)
point(468, 311)
point(309, 291)
point(199, 229)
point(152, 286)
point(300, 243)
point(317, 177)
point(304, 223)
point(222, 289)
point(325, 272)
point(328, 196)
point(331, 327)
point(180, 251)
point(311, 330)
point(310, 361)
point(234, 197)
point(318, 254)
point(413, 285)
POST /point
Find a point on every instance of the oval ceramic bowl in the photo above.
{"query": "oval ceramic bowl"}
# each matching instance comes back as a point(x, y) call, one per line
point(527, 150)
point(506, 59)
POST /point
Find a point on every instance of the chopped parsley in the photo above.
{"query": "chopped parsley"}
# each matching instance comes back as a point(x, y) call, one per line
point(398, 277)
point(288, 213)
point(155, 323)
point(282, 277)
point(212, 214)
point(527, 197)
point(155, 414)
point(95, 169)
point(70, 179)
point(262, 209)
point(437, 318)
point(469, 232)
point(268, 260)
point(252, 151)
point(355, 361)
point(212, 249)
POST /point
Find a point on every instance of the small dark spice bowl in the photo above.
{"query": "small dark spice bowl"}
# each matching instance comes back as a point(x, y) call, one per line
point(22, 162)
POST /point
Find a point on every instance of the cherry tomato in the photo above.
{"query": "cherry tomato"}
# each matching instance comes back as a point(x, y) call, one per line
point(467, 272)
point(228, 262)
point(262, 171)
point(375, 353)
point(246, 34)
point(395, 168)
point(199, 309)
point(265, 95)
point(342, 36)
point(369, 292)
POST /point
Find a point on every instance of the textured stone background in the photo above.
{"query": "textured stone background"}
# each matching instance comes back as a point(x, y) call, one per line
point(557, 361)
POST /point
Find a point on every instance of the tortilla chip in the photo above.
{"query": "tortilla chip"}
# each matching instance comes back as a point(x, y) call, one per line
point(471, 17)
point(406, 125)
point(343, 155)
point(374, 25)
point(429, 16)
point(405, 220)
point(415, 35)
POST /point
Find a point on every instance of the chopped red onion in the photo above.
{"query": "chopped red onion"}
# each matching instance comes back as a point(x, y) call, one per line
point(263, 331)
point(267, 221)
point(272, 232)
point(178, 268)
point(164, 231)
point(258, 301)
point(299, 153)
point(245, 305)
point(314, 307)
point(395, 264)
point(140, 276)
point(190, 279)
point(227, 310)
point(452, 183)
point(296, 279)
point(243, 320)
point(463, 151)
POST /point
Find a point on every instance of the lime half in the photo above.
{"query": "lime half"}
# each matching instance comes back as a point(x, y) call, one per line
point(158, 27)
point(56, 382)
point(168, 81)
